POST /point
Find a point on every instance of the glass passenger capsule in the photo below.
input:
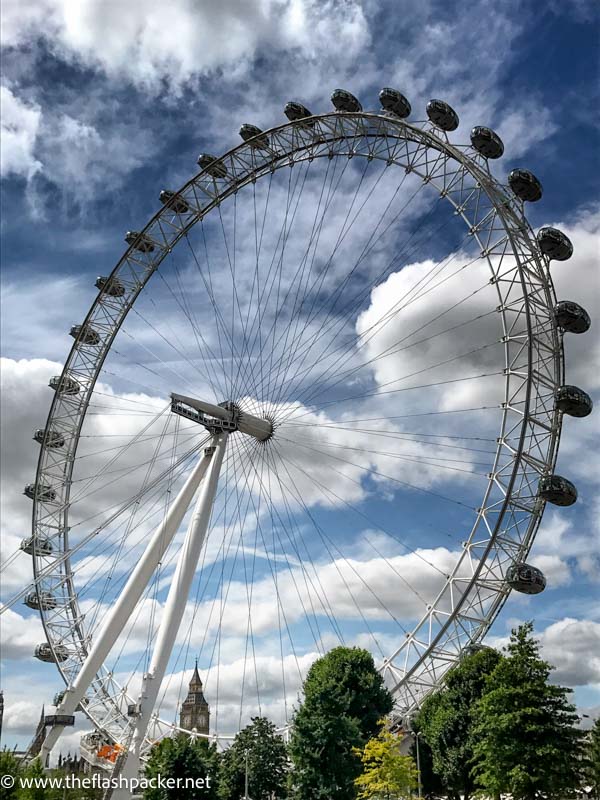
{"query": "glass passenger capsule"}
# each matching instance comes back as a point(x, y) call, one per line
point(573, 401)
point(49, 438)
point(487, 142)
point(44, 601)
point(110, 286)
point(254, 136)
point(40, 491)
point(525, 578)
point(554, 244)
point(85, 334)
point(296, 112)
point(40, 544)
point(571, 317)
point(394, 101)
point(64, 384)
point(442, 115)
point(525, 185)
point(139, 241)
point(557, 490)
point(212, 165)
point(173, 201)
point(44, 652)
point(345, 101)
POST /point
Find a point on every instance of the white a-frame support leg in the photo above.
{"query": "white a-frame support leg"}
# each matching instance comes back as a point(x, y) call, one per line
point(120, 612)
point(174, 610)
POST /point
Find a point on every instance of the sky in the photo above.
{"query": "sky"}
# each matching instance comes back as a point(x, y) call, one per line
point(103, 104)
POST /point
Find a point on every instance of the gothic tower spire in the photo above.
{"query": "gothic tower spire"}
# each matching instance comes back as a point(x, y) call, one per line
point(40, 735)
point(195, 711)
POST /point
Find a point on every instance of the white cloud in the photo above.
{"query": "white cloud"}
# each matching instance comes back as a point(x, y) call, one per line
point(20, 635)
point(556, 570)
point(148, 43)
point(561, 542)
point(20, 123)
point(573, 647)
point(517, 132)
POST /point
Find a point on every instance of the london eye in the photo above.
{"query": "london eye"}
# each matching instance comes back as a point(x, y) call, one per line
point(318, 400)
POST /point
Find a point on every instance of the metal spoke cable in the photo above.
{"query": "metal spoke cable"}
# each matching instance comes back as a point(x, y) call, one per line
point(408, 548)
point(328, 545)
point(301, 558)
point(213, 357)
point(146, 480)
point(420, 459)
point(276, 272)
point(308, 260)
point(360, 258)
point(395, 348)
point(378, 393)
point(317, 284)
point(314, 236)
point(378, 326)
point(333, 328)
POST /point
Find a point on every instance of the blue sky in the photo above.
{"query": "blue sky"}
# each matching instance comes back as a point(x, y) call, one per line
point(104, 105)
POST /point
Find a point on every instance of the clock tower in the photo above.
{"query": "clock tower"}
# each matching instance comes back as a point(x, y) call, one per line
point(195, 711)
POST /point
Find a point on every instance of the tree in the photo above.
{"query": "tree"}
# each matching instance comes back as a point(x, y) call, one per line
point(35, 773)
point(527, 742)
point(183, 757)
point(344, 699)
point(9, 765)
point(266, 755)
point(387, 773)
point(446, 722)
point(594, 758)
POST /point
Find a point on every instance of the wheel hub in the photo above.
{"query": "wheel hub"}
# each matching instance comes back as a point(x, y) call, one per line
point(224, 418)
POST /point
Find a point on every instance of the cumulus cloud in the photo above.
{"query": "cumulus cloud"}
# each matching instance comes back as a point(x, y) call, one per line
point(573, 647)
point(147, 43)
point(19, 131)
point(20, 635)
point(563, 544)
point(570, 645)
point(297, 43)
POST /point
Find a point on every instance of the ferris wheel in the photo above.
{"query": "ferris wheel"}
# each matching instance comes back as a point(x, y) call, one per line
point(317, 401)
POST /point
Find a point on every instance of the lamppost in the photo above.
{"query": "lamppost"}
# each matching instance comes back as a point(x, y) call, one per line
point(419, 785)
point(246, 775)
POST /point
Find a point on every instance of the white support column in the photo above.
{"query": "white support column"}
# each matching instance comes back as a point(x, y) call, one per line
point(174, 610)
point(120, 612)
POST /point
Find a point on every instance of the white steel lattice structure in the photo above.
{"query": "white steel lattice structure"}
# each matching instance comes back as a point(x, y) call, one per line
point(503, 525)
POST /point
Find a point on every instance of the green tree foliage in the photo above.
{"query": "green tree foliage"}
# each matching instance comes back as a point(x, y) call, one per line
point(344, 699)
point(35, 771)
point(53, 792)
point(594, 758)
point(9, 765)
point(183, 757)
point(267, 763)
point(386, 772)
point(526, 740)
point(446, 723)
